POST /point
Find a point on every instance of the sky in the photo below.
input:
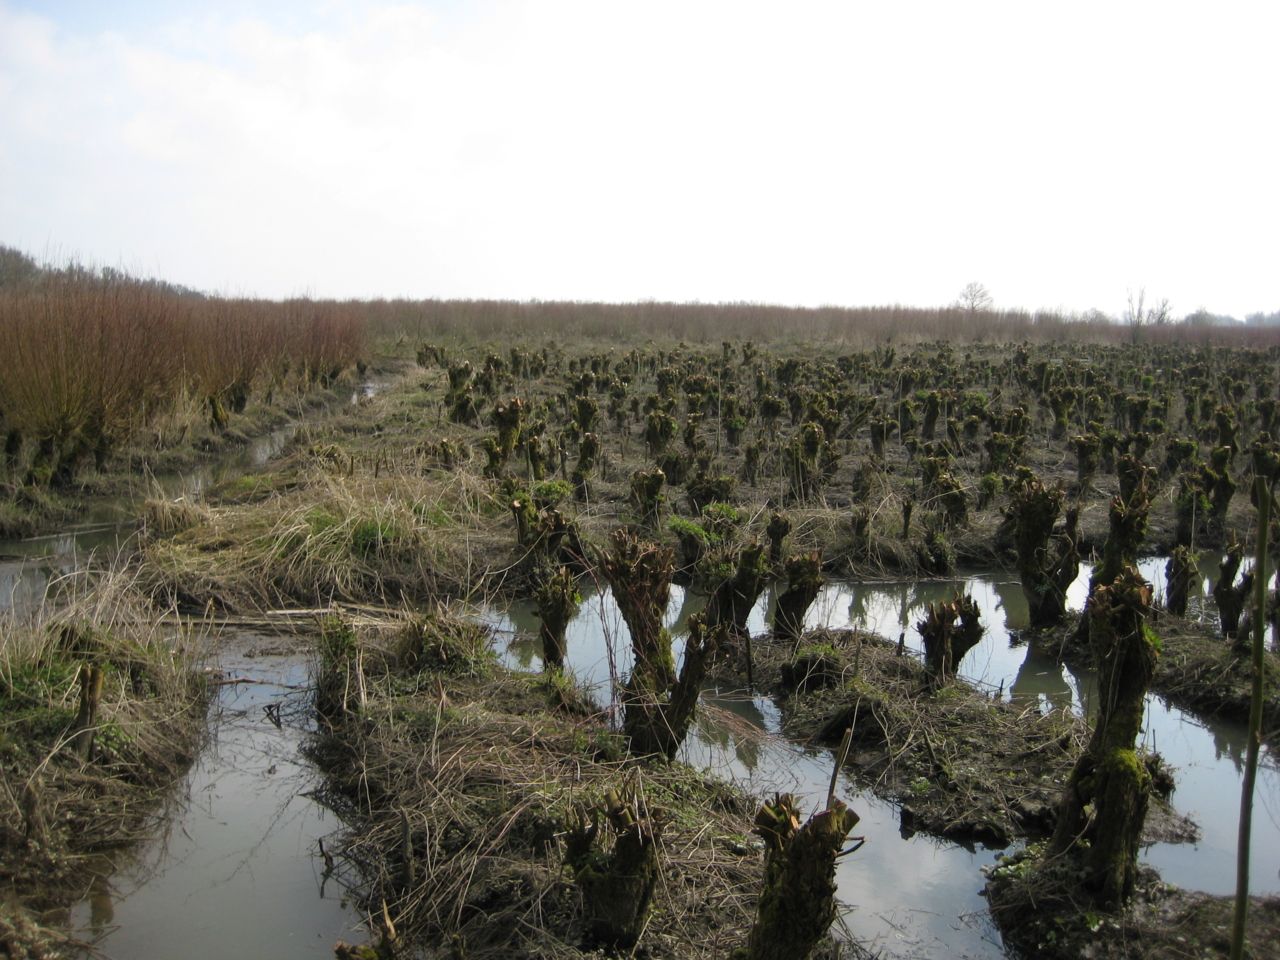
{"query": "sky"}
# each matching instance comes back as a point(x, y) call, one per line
point(1065, 156)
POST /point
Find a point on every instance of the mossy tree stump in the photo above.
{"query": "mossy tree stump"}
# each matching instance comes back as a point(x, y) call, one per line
point(639, 573)
point(657, 705)
point(1105, 800)
point(1180, 573)
point(733, 599)
point(804, 580)
point(777, 530)
point(557, 601)
point(1229, 595)
point(1046, 565)
point(797, 905)
point(1128, 520)
point(617, 885)
point(646, 496)
point(949, 631)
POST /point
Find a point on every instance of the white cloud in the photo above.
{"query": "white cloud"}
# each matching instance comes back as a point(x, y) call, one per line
point(801, 153)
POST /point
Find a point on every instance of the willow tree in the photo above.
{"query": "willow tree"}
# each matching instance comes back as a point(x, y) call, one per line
point(797, 906)
point(1104, 803)
point(657, 705)
point(1047, 562)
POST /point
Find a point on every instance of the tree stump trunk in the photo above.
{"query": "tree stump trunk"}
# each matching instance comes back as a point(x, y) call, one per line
point(804, 580)
point(1108, 776)
point(617, 886)
point(797, 906)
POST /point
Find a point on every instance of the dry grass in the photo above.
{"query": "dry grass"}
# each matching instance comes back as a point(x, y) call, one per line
point(162, 517)
point(457, 776)
point(56, 805)
point(337, 537)
point(93, 361)
point(469, 320)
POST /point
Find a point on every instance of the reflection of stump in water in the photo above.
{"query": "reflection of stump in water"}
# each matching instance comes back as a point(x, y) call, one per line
point(1040, 675)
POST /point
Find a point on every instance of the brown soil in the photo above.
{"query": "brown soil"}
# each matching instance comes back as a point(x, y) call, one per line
point(1039, 917)
point(457, 778)
point(961, 766)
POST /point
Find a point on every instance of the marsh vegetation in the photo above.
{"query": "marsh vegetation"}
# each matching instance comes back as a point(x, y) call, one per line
point(500, 812)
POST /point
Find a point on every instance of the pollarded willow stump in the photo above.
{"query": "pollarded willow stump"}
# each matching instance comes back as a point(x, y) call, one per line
point(1104, 803)
point(797, 905)
point(731, 602)
point(1047, 564)
point(1180, 573)
point(777, 530)
point(1229, 595)
point(804, 581)
point(646, 496)
point(657, 705)
point(949, 631)
point(639, 573)
point(617, 885)
point(656, 721)
point(556, 600)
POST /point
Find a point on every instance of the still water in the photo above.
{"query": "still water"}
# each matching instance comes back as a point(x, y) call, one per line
point(237, 871)
point(916, 896)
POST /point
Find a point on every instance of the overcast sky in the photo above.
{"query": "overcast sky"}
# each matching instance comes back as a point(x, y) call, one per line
point(800, 153)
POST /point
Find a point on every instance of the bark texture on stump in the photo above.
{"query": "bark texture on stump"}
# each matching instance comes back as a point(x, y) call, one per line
point(779, 527)
point(804, 580)
point(91, 680)
point(732, 601)
point(949, 631)
point(639, 572)
point(657, 706)
point(1047, 564)
point(657, 721)
point(556, 600)
point(1109, 778)
point(617, 885)
point(1229, 595)
point(1180, 572)
point(797, 906)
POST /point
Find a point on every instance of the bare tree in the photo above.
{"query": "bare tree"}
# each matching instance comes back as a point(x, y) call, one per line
point(1138, 315)
point(975, 297)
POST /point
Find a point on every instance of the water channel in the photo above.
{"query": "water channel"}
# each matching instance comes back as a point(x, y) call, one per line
point(915, 896)
point(237, 870)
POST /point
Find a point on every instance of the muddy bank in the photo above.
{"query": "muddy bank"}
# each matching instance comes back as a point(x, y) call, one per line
point(1197, 670)
point(1039, 914)
point(960, 764)
point(102, 711)
point(178, 460)
point(460, 780)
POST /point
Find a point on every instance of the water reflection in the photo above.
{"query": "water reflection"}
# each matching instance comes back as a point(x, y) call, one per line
point(234, 872)
point(1040, 681)
point(738, 738)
